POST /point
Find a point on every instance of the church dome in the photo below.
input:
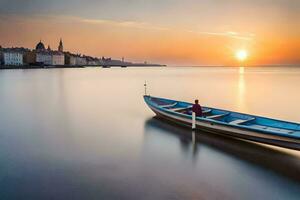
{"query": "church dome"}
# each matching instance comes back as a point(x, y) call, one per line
point(40, 46)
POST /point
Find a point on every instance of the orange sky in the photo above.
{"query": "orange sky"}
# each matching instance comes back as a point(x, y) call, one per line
point(178, 36)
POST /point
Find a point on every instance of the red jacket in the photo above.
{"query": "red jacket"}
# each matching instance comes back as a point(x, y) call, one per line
point(197, 109)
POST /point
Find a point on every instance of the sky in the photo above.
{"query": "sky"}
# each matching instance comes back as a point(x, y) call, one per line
point(174, 32)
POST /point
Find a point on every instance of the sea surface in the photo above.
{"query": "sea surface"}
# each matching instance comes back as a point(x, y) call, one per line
point(87, 134)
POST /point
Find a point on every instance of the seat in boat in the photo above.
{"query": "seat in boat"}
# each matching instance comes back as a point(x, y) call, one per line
point(206, 111)
point(217, 116)
point(168, 105)
point(181, 109)
point(241, 121)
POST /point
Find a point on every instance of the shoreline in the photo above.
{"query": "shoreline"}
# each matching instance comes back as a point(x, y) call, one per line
point(36, 67)
point(3, 67)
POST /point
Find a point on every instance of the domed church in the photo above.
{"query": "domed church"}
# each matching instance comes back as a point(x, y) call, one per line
point(48, 57)
point(40, 46)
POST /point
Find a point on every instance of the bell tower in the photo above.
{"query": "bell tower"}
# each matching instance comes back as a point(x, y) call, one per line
point(61, 46)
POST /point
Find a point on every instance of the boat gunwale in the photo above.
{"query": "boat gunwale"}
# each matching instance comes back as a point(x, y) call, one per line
point(290, 135)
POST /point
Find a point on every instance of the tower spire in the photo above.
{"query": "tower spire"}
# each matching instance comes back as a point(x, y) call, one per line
point(61, 46)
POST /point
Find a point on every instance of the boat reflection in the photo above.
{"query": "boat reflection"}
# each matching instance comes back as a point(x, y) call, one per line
point(280, 161)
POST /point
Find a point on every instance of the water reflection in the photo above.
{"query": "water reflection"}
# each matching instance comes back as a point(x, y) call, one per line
point(194, 143)
point(255, 154)
point(83, 132)
point(242, 70)
point(241, 90)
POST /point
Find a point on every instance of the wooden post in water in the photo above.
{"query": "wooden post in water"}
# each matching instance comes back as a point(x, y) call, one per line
point(145, 85)
point(193, 120)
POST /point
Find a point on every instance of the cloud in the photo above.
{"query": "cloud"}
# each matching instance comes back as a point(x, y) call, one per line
point(145, 25)
point(129, 24)
point(231, 34)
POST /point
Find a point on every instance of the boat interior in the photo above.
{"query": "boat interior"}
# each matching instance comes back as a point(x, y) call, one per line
point(231, 118)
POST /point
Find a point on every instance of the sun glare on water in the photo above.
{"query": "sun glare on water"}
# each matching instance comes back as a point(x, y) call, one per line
point(241, 55)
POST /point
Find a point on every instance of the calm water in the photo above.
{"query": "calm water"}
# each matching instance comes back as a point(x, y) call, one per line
point(87, 134)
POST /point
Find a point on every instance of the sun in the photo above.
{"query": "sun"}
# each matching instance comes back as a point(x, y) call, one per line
point(241, 55)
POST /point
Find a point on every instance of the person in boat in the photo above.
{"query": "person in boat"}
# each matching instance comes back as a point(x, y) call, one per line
point(197, 109)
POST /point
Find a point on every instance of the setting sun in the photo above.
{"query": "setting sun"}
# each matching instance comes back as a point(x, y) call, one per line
point(241, 55)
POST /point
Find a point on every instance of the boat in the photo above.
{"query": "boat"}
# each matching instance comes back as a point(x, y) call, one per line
point(228, 123)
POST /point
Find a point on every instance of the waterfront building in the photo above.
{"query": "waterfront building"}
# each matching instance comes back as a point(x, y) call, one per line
point(73, 60)
point(100, 62)
point(29, 58)
point(70, 59)
point(43, 58)
point(58, 58)
point(81, 60)
point(92, 61)
point(13, 58)
point(55, 58)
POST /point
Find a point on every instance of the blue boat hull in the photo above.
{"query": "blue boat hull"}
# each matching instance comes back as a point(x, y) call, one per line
point(227, 123)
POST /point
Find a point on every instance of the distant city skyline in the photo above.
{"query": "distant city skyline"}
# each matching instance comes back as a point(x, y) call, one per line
point(174, 32)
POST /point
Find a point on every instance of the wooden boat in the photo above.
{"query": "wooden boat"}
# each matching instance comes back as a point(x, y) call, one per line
point(228, 123)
